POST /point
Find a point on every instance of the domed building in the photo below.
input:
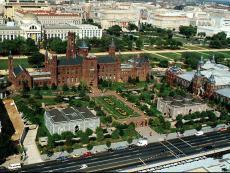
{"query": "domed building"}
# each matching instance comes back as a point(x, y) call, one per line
point(31, 26)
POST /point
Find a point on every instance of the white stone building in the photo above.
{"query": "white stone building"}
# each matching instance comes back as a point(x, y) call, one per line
point(30, 27)
point(168, 19)
point(70, 119)
point(171, 107)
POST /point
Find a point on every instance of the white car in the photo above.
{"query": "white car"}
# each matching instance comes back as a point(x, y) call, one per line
point(142, 142)
point(83, 166)
point(199, 133)
point(14, 166)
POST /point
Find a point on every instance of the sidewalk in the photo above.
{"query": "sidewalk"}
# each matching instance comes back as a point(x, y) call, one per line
point(33, 154)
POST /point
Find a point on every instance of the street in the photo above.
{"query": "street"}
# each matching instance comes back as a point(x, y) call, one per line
point(153, 153)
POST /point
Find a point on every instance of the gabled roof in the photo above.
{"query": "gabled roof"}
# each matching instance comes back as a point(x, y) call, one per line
point(18, 70)
point(70, 61)
point(106, 60)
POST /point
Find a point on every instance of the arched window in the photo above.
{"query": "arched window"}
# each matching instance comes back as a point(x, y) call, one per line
point(33, 27)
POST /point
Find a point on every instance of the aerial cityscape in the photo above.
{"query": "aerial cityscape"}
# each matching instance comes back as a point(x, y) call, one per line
point(114, 86)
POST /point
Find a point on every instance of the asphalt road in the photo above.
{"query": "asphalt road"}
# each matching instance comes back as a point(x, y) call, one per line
point(153, 153)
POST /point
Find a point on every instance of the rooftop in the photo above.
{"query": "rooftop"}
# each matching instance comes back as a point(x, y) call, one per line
point(15, 118)
point(224, 92)
point(70, 61)
point(106, 60)
point(70, 114)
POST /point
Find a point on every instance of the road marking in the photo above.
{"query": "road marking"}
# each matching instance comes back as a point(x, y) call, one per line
point(142, 161)
point(185, 142)
point(175, 147)
point(169, 150)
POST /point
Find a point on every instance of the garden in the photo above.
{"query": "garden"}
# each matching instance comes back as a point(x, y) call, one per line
point(115, 107)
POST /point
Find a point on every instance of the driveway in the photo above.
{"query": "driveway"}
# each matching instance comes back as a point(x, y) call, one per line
point(31, 147)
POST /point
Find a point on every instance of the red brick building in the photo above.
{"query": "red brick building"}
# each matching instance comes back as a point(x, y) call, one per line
point(79, 66)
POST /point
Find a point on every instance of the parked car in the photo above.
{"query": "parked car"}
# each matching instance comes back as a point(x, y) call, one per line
point(14, 166)
point(62, 158)
point(83, 166)
point(199, 133)
point(110, 150)
point(142, 142)
point(209, 147)
point(87, 154)
point(76, 156)
point(222, 129)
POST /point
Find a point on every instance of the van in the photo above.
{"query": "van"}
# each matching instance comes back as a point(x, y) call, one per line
point(14, 166)
point(142, 142)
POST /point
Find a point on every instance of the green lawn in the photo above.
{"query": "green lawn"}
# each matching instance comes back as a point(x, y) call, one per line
point(115, 107)
point(175, 56)
point(22, 62)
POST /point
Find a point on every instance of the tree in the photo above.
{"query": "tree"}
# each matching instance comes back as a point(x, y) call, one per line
point(115, 134)
point(164, 63)
point(139, 44)
point(53, 87)
point(114, 30)
point(198, 127)
point(89, 132)
point(132, 27)
point(108, 144)
point(84, 138)
point(191, 59)
point(37, 95)
point(57, 45)
point(89, 146)
point(130, 140)
point(36, 59)
point(65, 87)
point(100, 134)
point(188, 31)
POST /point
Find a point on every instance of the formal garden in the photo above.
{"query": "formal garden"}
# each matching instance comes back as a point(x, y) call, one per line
point(29, 102)
point(115, 107)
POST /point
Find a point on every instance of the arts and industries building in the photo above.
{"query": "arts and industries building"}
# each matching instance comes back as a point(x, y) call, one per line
point(79, 65)
point(70, 119)
point(171, 107)
point(209, 80)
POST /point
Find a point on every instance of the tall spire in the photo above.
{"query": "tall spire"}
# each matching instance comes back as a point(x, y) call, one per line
point(213, 59)
point(198, 73)
point(112, 48)
point(212, 79)
point(112, 45)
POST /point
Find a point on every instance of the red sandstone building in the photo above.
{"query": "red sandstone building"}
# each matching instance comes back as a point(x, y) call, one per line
point(79, 66)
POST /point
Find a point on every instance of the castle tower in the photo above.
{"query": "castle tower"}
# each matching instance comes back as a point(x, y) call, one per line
point(89, 71)
point(71, 49)
point(83, 49)
point(10, 65)
point(197, 82)
point(46, 58)
point(201, 62)
point(210, 86)
point(112, 48)
point(53, 70)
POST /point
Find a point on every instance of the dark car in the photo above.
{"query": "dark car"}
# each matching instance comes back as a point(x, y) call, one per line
point(110, 150)
point(209, 147)
point(62, 158)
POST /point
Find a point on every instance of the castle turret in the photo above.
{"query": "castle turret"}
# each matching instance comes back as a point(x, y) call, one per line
point(210, 86)
point(112, 48)
point(197, 81)
point(83, 49)
point(71, 49)
point(53, 69)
